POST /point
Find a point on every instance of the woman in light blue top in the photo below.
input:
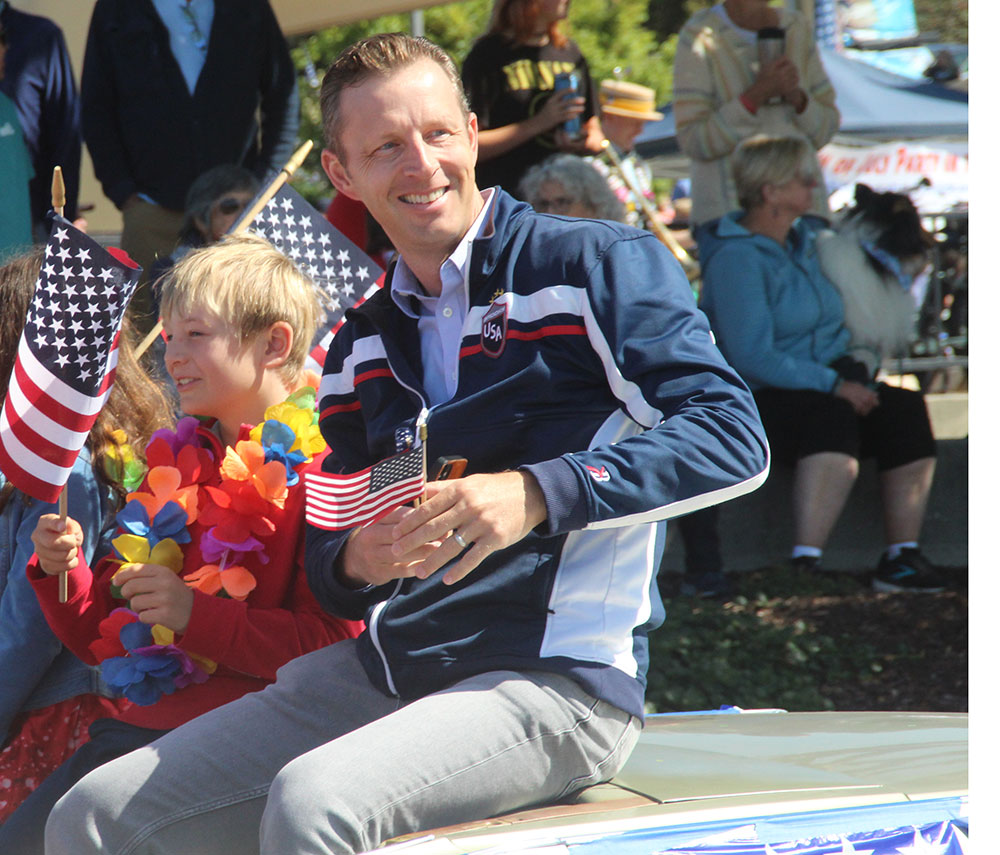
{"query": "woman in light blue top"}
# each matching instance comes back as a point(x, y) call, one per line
point(780, 323)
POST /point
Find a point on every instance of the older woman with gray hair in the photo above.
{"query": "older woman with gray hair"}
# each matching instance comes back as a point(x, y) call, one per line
point(569, 185)
point(780, 323)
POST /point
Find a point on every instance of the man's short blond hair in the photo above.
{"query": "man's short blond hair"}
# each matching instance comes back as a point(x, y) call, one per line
point(249, 285)
point(764, 160)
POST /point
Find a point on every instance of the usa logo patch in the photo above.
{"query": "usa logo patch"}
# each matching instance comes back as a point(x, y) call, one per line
point(493, 335)
point(599, 474)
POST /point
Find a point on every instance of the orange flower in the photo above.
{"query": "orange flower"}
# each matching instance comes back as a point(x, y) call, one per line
point(164, 483)
point(246, 463)
point(235, 580)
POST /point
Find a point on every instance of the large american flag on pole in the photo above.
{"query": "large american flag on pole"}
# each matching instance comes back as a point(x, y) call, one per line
point(336, 502)
point(65, 362)
point(344, 274)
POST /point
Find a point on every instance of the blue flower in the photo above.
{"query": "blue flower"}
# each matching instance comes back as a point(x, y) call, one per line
point(141, 679)
point(170, 522)
point(276, 438)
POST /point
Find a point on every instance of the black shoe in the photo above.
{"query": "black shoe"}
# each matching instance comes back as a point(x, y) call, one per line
point(706, 586)
point(805, 564)
point(908, 571)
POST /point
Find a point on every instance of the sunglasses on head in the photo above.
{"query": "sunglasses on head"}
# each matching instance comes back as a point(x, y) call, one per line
point(229, 205)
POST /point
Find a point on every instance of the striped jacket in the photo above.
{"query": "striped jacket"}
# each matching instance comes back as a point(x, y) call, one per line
point(714, 65)
point(585, 362)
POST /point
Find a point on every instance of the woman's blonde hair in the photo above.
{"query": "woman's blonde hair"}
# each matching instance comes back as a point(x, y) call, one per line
point(762, 160)
point(244, 281)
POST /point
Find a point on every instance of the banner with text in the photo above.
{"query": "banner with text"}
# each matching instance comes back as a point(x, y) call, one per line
point(900, 166)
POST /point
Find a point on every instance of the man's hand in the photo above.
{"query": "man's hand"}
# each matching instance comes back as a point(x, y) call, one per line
point(368, 557)
point(485, 512)
point(156, 594)
point(57, 543)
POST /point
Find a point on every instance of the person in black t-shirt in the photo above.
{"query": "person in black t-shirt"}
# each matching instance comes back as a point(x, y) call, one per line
point(509, 79)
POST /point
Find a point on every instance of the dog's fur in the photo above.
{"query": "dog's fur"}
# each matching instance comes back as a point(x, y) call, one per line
point(878, 311)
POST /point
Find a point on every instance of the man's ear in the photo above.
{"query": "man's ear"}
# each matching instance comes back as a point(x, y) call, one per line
point(337, 174)
point(278, 339)
point(474, 134)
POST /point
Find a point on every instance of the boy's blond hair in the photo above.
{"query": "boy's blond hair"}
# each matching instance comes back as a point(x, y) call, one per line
point(249, 285)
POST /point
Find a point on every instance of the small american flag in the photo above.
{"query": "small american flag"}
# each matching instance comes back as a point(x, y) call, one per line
point(336, 502)
point(66, 360)
point(344, 274)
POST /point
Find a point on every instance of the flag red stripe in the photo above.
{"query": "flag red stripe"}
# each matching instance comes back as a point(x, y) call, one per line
point(35, 383)
point(328, 517)
point(42, 446)
point(333, 506)
point(25, 481)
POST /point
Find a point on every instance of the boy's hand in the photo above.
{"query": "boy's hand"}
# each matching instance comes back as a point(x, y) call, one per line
point(156, 594)
point(57, 543)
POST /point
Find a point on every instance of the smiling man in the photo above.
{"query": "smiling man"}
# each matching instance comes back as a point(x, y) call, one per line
point(505, 657)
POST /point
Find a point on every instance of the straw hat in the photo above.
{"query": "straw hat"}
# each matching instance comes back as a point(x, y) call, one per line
point(628, 99)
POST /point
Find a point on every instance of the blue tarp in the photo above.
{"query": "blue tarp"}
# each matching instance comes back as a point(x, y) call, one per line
point(873, 103)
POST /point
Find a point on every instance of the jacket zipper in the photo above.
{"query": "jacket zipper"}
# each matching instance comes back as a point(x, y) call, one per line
point(380, 607)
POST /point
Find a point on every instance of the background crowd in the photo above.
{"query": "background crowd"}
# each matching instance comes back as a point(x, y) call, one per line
point(187, 107)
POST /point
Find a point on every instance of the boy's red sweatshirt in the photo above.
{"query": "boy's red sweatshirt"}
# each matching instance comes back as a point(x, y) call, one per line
point(249, 640)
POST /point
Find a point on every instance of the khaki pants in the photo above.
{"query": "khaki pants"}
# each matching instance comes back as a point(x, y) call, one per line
point(148, 232)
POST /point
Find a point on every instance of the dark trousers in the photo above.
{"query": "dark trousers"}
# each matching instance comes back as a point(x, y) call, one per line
point(24, 831)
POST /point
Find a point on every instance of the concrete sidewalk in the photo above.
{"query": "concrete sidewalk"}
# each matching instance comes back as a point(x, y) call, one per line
point(756, 530)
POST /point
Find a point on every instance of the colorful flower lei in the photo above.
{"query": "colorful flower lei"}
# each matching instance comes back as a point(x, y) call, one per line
point(141, 661)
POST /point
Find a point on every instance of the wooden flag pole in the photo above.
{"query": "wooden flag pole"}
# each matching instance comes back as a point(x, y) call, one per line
point(655, 226)
point(59, 205)
point(294, 162)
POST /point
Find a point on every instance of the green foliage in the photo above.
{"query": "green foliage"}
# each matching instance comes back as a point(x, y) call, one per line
point(949, 18)
point(611, 35)
point(707, 653)
point(614, 35)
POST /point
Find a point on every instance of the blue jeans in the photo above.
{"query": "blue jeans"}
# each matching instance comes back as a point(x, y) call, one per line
point(323, 762)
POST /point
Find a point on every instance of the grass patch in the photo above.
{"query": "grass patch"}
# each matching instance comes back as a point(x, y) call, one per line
point(801, 641)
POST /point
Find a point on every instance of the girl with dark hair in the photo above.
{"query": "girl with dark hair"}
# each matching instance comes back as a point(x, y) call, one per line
point(49, 697)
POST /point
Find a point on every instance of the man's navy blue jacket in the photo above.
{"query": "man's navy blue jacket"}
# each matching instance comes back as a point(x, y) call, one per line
point(607, 386)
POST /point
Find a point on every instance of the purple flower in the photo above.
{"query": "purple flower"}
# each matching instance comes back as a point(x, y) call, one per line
point(213, 550)
point(184, 435)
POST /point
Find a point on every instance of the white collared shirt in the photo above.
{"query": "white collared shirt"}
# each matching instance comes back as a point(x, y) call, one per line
point(189, 23)
point(440, 319)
